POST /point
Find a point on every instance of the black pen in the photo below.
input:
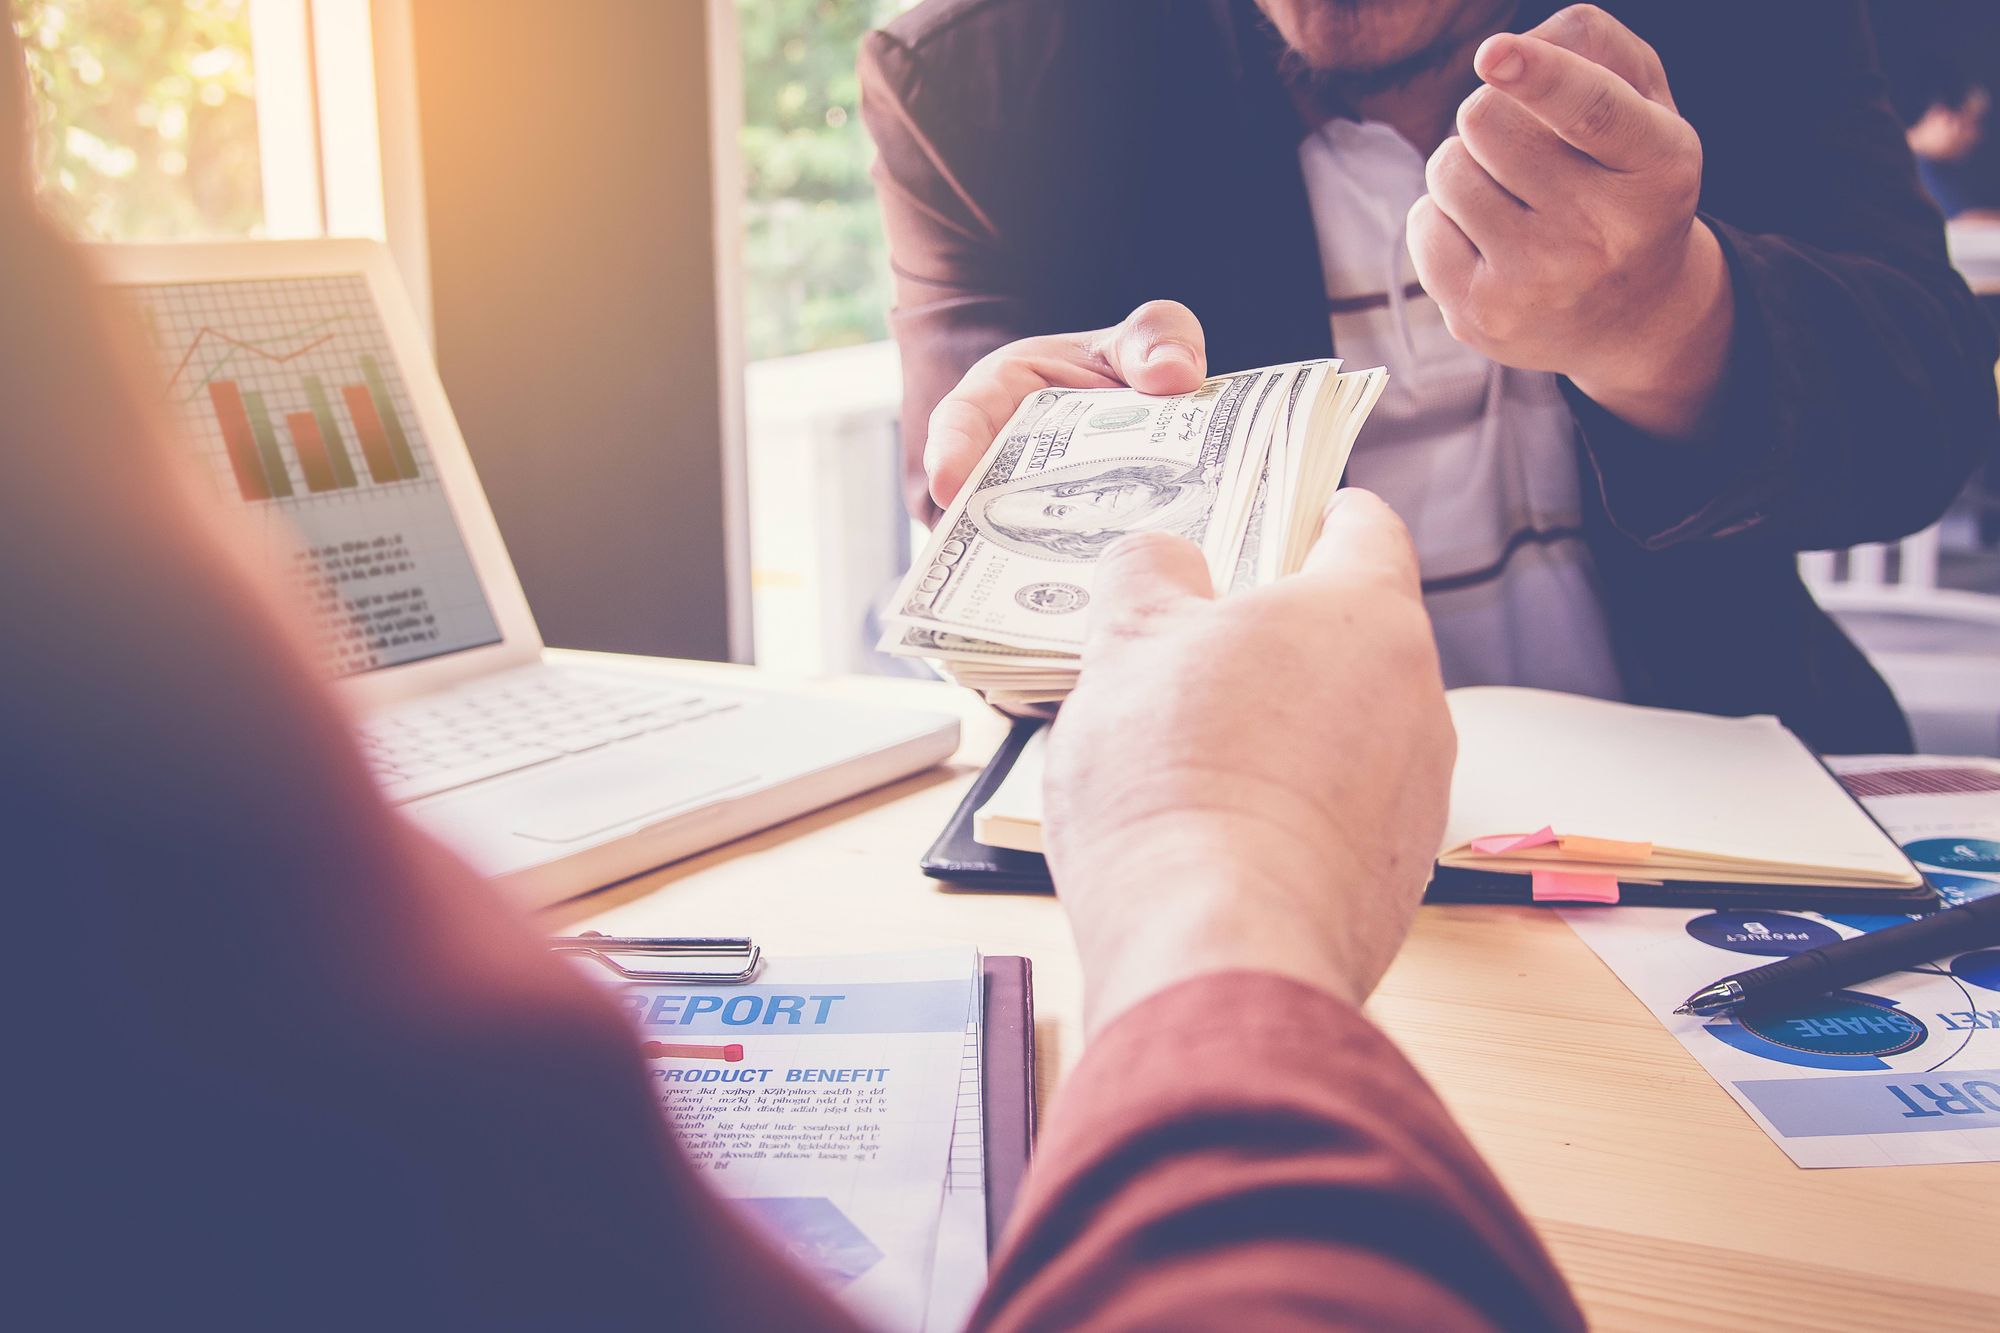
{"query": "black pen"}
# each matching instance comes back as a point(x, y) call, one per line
point(1876, 954)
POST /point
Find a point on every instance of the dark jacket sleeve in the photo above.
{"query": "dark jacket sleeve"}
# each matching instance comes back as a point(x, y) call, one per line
point(1243, 1151)
point(1861, 388)
point(958, 289)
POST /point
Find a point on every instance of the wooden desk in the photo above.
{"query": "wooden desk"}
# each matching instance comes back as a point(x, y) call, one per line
point(1665, 1205)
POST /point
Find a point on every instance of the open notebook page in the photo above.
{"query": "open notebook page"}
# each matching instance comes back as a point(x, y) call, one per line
point(1012, 815)
point(1727, 799)
point(1708, 792)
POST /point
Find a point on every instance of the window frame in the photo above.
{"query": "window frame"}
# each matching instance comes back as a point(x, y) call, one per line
point(337, 135)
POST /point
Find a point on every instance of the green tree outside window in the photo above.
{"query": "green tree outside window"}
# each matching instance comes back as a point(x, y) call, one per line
point(818, 270)
point(148, 115)
point(149, 132)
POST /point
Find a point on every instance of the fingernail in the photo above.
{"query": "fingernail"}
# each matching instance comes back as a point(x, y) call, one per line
point(1500, 60)
point(1169, 353)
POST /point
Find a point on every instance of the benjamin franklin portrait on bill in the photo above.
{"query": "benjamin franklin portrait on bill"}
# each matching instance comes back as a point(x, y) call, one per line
point(1073, 513)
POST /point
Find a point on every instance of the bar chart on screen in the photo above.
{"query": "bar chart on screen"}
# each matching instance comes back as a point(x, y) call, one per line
point(234, 377)
point(289, 392)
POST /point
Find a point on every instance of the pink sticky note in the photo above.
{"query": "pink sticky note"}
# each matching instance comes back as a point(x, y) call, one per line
point(1501, 843)
point(1555, 886)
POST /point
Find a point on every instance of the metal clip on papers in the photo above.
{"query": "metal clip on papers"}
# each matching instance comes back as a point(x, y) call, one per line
point(724, 961)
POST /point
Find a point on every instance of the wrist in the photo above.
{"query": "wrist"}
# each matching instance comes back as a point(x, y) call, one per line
point(1150, 920)
point(1664, 371)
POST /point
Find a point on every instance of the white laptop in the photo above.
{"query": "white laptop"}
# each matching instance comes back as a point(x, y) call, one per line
point(300, 373)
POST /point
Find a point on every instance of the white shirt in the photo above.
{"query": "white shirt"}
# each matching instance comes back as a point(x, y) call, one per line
point(1478, 458)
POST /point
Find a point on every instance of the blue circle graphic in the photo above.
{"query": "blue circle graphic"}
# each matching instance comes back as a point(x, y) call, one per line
point(1846, 1023)
point(1956, 853)
point(1981, 967)
point(1766, 934)
point(1957, 890)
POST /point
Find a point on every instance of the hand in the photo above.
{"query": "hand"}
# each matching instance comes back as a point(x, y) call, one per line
point(1254, 782)
point(1949, 133)
point(1560, 234)
point(1158, 348)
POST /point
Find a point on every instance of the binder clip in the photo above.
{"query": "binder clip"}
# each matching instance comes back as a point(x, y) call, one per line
point(720, 961)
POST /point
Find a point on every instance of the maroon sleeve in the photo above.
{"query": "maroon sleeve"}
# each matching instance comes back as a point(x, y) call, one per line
point(281, 1062)
point(1243, 1151)
point(957, 293)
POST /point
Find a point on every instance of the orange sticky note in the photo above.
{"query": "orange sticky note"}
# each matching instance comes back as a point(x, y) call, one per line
point(1499, 844)
point(1605, 849)
point(1556, 886)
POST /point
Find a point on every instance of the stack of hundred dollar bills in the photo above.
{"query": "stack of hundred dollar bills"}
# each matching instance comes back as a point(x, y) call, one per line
point(1243, 466)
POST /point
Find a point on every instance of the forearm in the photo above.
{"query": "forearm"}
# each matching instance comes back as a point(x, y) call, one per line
point(1244, 1150)
point(1227, 912)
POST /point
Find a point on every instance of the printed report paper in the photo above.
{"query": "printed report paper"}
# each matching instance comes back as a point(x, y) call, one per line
point(1896, 1071)
point(823, 1098)
point(958, 1276)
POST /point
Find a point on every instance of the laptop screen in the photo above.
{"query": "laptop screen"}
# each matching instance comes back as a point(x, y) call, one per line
point(288, 390)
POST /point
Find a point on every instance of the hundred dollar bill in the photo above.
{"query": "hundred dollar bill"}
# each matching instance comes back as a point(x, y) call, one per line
point(1011, 562)
point(945, 646)
point(1257, 557)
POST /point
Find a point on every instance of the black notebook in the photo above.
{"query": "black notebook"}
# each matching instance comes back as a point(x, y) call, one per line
point(1552, 801)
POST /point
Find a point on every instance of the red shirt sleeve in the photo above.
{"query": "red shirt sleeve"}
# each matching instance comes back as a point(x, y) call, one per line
point(283, 1063)
point(1245, 1151)
point(293, 1067)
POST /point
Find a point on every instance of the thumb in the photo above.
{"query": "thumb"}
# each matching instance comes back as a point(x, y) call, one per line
point(1158, 348)
point(1362, 540)
point(1142, 577)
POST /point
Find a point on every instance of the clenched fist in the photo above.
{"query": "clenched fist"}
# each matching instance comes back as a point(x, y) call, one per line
point(1559, 232)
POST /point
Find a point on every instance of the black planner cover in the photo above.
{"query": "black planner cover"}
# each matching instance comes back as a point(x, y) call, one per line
point(960, 858)
point(1007, 1086)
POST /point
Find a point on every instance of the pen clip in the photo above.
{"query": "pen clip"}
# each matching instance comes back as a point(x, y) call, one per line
point(729, 960)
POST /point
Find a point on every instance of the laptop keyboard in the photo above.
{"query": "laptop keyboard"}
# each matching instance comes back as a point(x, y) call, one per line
point(448, 741)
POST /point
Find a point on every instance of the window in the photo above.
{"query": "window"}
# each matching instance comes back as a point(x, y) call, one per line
point(168, 120)
point(149, 116)
point(202, 119)
point(185, 119)
point(818, 274)
point(823, 387)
